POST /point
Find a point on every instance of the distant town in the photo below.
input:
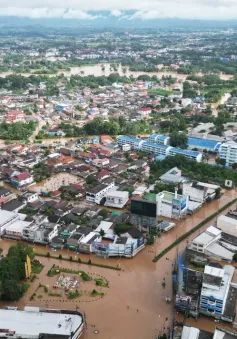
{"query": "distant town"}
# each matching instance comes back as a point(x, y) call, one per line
point(118, 175)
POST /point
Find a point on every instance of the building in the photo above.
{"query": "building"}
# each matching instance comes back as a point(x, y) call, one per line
point(204, 144)
point(196, 333)
point(159, 139)
point(192, 155)
point(6, 219)
point(29, 197)
point(214, 298)
point(15, 230)
point(116, 199)
point(199, 191)
point(159, 148)
point(174, 175)
point(97, 193)
point(228, 223)
point(39, 323)
point(85, 244)
point(42, 234)
point(228, 152)
point(22, 180)
point(171, 205)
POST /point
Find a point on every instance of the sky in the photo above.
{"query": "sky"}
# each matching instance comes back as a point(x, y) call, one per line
point(121, 9)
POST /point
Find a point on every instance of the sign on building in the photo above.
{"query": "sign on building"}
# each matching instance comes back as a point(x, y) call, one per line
point(228, 183)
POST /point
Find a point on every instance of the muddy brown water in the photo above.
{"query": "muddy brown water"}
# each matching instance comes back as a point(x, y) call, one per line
point(134, 305)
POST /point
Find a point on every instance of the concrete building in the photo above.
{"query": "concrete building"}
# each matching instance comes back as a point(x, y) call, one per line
point(228, 223)
point(116, 199)
point(29, 197)
point(85, 244)
point(199, 191)
point(174, 175)
point(228, 152)
point(97, 193)
point(43, 233)
point(204, 144)
point(38, 323)
point(7, 218)
point(171, 205)
point(159, 139)
point(159, 148)
point(196, 333)
point(215, 289)
point(15, 230)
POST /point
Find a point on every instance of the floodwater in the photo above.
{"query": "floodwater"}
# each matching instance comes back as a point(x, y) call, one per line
point(55, 182)
point(134, 305)
point(97, 70)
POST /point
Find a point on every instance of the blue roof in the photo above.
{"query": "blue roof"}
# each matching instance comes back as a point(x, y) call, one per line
point(205, 143)
point(148, 143)
point(184, 152)
point(161, 157)
point(158, 136)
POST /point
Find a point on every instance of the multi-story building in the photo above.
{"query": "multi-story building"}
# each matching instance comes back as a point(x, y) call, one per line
point(215, 289)
point(116, 199)
point(6, 219)
point(159, 139)
point(97, 193)
point(204, 144)
point(41, 323)
point(192, 155)
point(199, 191)
point(228, 152)
point(158, 145)
point(42, 234)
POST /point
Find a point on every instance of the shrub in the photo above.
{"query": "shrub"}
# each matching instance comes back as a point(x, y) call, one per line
point(60, 256)
point(48, 255)
point(89, 262)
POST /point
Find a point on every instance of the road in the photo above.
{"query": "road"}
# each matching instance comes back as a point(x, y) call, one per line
point(41, 123)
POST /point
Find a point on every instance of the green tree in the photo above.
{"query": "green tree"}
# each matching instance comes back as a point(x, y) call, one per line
point(178, 140)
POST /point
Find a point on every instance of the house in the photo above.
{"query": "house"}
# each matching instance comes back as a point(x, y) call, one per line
point(144, 112)
point(116, 199)
point(96, 194)
point(21, 180)
point(13, 205)
point(28, 197)
point(100, 162)
point(15, 116)
point(6, 195)
point(103, 175)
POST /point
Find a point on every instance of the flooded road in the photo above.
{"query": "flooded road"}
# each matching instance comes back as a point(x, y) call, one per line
point(98, 70)
point(55, 182)
point(134, 305)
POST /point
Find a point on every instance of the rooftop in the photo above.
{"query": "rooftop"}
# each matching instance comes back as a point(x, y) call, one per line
point(32, 322)
point(204, 143)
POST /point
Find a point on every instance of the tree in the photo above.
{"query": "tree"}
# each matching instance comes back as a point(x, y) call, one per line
point(102, 233)
point(235, 257)
point(121, 228)
point(104, 213)
point(178, 140)
point(234, 166)
point(12, 290)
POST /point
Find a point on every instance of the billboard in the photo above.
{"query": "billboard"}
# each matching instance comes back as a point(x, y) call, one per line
point(100, 247)
point(27, 267)
point(179, 205)
point(147, 208)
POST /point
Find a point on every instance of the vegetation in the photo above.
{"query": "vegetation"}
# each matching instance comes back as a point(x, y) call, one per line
point(196, 171)
point(74, 294)
point(178, 140)
point(121, 228)
point(12, 271)
point(101, 282)
point(95, 293)
point(17, 130)
point(37, 267)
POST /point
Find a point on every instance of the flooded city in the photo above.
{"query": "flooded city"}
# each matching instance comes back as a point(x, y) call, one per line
point(134, 305)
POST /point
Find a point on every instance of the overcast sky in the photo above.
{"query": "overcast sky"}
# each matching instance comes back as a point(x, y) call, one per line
point(143, 9)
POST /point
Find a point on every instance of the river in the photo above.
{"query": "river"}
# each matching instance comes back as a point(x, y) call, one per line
point(97, 70)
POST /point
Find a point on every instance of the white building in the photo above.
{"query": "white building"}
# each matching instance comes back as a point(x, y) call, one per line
point(159, 139)
point(215, 288)
point(171, 205)
point(36, 323)
point(29, 197)
point(228, 223)
point(85, 244)
point(7, 218)
point(116, 199)
point(15, 230)
point(228, 152)
point(199, 191)
point(42, 234)
point(97, 193)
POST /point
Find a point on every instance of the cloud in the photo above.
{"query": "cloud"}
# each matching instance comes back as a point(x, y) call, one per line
point(145, 10)
point(116, 12)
